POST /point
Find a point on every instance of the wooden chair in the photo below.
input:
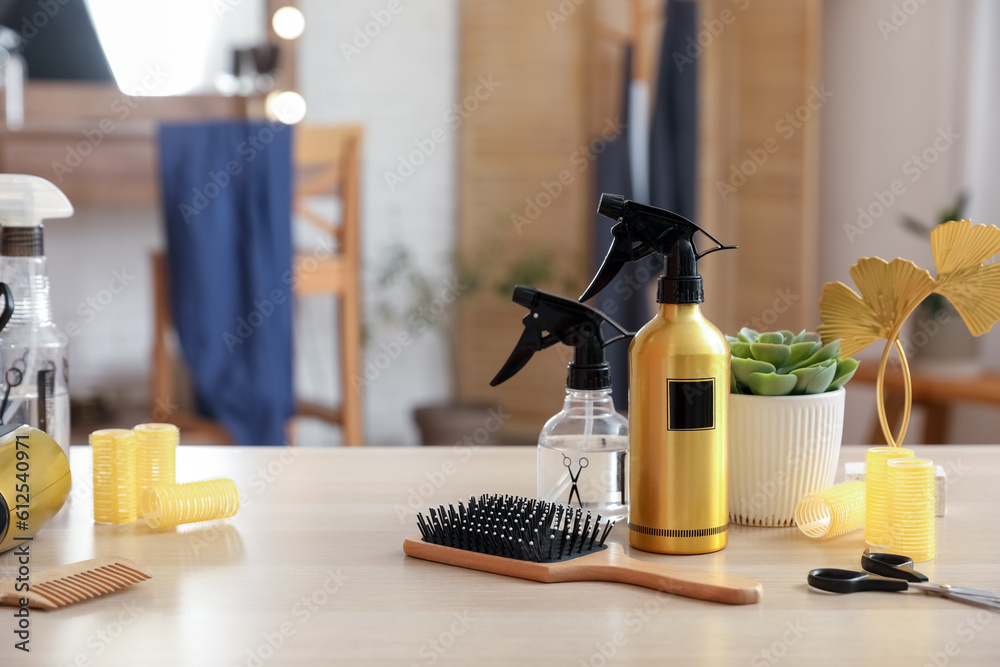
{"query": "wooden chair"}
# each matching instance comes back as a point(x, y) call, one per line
point(326, 162)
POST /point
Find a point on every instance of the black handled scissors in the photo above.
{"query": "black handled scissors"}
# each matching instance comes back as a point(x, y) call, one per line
point(896, 574)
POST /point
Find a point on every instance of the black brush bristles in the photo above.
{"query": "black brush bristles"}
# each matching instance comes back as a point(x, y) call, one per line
point(515, 527)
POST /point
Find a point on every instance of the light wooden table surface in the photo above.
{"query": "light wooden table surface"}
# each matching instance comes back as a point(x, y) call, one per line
point(311, 572)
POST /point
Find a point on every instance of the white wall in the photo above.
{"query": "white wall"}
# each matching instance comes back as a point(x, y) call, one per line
point(399, 86)
point(899, 82)
point(99, 269)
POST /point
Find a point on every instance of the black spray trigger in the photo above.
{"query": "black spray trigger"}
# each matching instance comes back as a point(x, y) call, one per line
point(622, 250)
point(553, 319)
point(640, 230)
point(718, 245)
point(529, 343)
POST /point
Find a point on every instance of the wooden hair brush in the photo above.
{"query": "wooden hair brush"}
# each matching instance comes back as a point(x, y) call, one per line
point(550, 543)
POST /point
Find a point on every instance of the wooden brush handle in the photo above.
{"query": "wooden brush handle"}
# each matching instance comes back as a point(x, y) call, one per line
point(610, 564)
point(614, 565)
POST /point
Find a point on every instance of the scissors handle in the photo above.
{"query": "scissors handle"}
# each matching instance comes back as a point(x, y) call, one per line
point(891, 565)
point(848, 581)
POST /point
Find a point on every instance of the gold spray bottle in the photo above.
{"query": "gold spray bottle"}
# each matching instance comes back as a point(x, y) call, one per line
point(678, 389)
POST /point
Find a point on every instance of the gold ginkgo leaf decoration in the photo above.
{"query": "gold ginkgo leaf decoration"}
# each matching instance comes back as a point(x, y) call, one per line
point(889, 292)
point(961, 245)
point(974, 289)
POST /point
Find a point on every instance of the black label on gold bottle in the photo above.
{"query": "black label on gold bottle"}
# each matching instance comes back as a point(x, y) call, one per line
point(691, 404)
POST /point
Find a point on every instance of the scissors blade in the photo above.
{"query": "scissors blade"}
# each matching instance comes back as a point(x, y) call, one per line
point(975, 600)
point(970, 592)
point(972, 596)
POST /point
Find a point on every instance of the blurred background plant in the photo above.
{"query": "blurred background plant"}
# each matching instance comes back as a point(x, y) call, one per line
point(935, 304)
point(407, 296)
point(405, 292)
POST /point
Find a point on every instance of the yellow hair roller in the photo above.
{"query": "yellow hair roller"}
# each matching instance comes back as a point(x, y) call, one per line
point(877, 494)
point(156, 447)
point(911, 527)
point(831, 512)
point(114, 455)
point(169, 505)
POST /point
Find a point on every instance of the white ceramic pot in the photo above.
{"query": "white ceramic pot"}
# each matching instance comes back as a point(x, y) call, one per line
point(781, 448)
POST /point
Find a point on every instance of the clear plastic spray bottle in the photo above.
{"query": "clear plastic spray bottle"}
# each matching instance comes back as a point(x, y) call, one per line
point(582, 450)
point(33, 362)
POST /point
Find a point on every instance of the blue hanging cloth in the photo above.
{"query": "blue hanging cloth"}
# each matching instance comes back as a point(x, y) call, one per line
point(613, 173)
point(673, 154)
point(227, 199)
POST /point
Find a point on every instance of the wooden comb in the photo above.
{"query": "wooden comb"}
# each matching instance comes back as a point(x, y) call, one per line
point(60, 586)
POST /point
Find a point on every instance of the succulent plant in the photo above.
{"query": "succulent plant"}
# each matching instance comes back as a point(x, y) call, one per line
point(780, 363)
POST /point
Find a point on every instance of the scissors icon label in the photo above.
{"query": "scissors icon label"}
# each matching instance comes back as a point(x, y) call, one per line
point(575, 489)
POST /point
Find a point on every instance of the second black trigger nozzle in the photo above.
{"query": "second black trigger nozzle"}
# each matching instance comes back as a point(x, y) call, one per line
point(553, 319)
